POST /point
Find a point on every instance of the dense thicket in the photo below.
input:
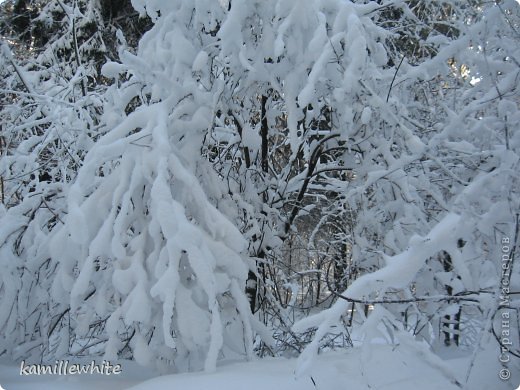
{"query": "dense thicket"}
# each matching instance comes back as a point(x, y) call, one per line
point(249, 162)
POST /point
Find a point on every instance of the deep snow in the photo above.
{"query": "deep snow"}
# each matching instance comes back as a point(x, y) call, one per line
point(371, 367)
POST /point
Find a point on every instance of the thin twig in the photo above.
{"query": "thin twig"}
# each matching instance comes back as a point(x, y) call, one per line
point(393, 79)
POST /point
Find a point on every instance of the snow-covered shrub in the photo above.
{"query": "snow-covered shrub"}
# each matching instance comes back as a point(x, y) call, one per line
point(437, 190)
point(293, 150)
point(47, 126)
point(142, 247)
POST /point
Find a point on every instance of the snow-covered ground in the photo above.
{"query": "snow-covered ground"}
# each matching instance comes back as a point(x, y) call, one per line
point(375, 367)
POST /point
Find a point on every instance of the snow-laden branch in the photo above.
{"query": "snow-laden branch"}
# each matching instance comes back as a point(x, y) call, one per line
point(398, 273)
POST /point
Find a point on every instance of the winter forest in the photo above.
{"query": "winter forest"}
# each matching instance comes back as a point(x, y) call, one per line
point(252, 194)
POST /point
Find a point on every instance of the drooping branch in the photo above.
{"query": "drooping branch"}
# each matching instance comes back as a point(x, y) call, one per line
point(466, 296)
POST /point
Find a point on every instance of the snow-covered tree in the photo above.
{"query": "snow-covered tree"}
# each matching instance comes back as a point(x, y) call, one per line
point(145, 260)
point(438, 183)
point(278, 139)
point(50, 118)
point(349, 151)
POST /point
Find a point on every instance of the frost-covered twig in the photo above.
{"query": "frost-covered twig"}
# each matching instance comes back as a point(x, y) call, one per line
point(7, 53)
